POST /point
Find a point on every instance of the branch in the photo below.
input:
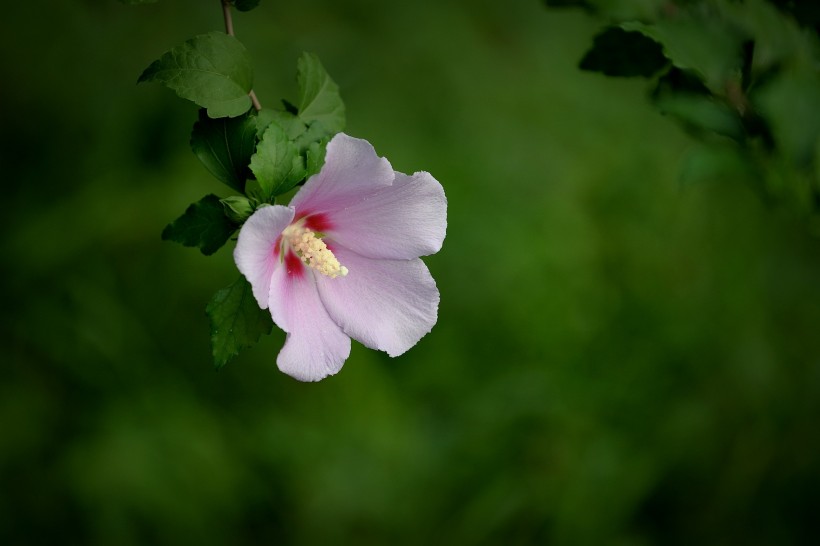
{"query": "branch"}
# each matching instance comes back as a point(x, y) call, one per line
point(226, 14)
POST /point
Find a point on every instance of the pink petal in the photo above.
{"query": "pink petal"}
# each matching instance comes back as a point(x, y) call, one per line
point(402, 221)
point(254, 253)
point(384, 304)
point(315, 346)
point(352, 171)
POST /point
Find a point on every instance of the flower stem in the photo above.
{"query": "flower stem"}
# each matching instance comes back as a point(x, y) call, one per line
point(226, 13)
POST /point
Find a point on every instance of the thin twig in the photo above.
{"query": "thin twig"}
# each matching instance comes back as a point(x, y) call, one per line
point(226, 13)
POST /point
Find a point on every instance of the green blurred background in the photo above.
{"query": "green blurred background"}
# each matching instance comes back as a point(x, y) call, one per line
point(620, 358)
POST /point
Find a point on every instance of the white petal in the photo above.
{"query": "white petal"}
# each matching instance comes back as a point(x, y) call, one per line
point(352, 171)
point(315, 346)
point(384, 304)
point(405, 220)
point(254, 253)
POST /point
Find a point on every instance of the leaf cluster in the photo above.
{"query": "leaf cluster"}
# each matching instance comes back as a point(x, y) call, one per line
point(742, 77)
point(260, 155)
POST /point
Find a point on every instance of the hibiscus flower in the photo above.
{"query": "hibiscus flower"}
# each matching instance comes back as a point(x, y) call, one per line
point(342, 260)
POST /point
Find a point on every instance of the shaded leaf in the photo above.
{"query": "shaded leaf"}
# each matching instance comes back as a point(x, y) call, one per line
point(137, 2)
point(709, 47)
point(236, 320)
point(213, 70)
point(277, 164)
point(319, 98)
point(616, 52)
point(225, 146)
point(203, 225)
point(245, 5)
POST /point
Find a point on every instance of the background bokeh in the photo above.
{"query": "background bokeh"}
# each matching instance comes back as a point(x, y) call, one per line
point(620, 358)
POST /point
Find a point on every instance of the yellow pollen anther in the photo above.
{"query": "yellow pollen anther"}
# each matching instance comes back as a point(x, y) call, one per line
point(313, 251)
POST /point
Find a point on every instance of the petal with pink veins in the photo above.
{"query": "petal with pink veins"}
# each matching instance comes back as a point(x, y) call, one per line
point(255, 254)
point(384, 304)
point(352, 171)
point(315, 346)
point(402, 221)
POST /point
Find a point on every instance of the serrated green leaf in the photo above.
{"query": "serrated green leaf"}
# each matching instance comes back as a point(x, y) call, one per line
point(203, 225)
point(245, 5)
point(277, 164)
point(225, 147)
point(292, 125)
point(315, 158)
point(213, 70)
point(236, 320)
point(616, 52)
point(319, 98)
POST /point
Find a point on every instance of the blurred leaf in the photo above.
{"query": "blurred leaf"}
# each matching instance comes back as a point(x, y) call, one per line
point(277, 163)
point(791, 104)
point(237, 322)
point(566, 4)
point(213, 70)
point(319, 98)
point(225, 146)
point(707, 46)
point(616, 52)
point(203, 225)
point(699, 113)
point(137, 2)
point(245, 5)
point(237, 207)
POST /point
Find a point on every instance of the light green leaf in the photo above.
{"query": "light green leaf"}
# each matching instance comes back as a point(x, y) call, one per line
point(292, 125)
point(277, 164)
point(213, 70)
point(203, 225)
point(237, 322)
point(237, 207)
point(225, 147)
point(319, 98)
point(315, 158)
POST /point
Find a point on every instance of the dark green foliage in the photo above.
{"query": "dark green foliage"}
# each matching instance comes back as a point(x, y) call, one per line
point(236, 320)
point(225, 146)
point(203, 225)
point(245, 5)
point(616, 52)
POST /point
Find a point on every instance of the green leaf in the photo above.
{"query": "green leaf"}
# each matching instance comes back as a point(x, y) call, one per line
point(237, 207)
point(277, 164)
point(245, 5)
point(213, 70)
point(315, 155)
point(237, 322)
point(203, 225)
point(791, 105)
point(707, 46)
point(616, 52)
point(225, 147)
point(319, 98)
point(292, 125)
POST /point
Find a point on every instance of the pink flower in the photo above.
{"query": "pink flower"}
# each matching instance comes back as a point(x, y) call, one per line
point(342, 261)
